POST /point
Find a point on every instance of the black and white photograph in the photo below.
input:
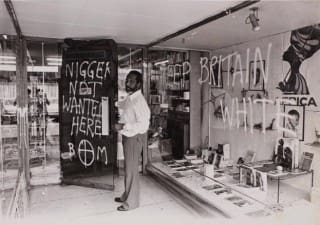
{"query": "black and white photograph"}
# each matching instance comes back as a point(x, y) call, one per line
point(294, 122)
point(256, 79)
point(159, 112)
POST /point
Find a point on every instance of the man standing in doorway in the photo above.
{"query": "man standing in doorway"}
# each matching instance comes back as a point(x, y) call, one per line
point(133, 125)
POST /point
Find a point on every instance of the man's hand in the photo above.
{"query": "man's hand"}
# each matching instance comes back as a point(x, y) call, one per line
point(118, 126)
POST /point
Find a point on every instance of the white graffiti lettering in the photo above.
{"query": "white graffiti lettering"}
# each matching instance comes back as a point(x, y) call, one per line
point(86, 153)
point(247, 114)
point(93, 69)
point(235, 69)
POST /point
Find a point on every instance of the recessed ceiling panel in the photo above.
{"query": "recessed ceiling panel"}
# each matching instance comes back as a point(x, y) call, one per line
point(274, 17)
point(126, 21)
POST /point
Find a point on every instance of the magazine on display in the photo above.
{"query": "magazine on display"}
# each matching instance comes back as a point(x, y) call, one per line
point(261, 180)
point(306, 161)
point(234, 198)
point(287, 153)
point(247, 176)
point(212, 187)
point(249, 157)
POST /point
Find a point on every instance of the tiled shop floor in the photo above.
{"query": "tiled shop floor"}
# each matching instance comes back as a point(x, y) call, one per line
point(75, 203)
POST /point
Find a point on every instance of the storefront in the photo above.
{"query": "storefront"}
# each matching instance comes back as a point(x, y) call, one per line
point(234, 128)
point(251, 118)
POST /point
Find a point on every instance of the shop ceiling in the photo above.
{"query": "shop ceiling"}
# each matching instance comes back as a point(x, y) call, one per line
point(146, 21)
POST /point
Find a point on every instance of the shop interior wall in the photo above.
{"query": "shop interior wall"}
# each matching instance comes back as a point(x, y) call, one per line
point(261, 141)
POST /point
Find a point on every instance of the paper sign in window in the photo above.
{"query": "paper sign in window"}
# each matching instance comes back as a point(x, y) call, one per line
point(105, 115)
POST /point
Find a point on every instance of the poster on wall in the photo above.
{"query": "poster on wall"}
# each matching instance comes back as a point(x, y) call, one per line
point(88, 75)
point(294, 121)
point(304, 43)
point(256, 81)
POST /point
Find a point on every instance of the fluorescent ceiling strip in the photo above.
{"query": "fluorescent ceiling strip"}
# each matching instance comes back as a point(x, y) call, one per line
point(161, 62)
point(54, 69)
point(7, 57)
point(43, 69)
point(54, 59)
point(7, 62)
point(54, 63)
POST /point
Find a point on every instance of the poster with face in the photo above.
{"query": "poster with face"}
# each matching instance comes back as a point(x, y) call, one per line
point(294, 122)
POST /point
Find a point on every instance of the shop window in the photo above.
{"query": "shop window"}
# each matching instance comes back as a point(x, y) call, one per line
point(169, 103)
point(9, 155)
point(44, 61)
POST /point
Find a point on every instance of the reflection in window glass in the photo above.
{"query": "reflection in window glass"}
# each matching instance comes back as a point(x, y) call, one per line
point(9, 157)
point(44, 63)
point(169, 103)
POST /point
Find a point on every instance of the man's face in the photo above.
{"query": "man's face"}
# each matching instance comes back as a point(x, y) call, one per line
point(131, 83)
point(294, 121)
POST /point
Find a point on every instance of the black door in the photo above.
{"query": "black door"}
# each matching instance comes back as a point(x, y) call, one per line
point(87, 93)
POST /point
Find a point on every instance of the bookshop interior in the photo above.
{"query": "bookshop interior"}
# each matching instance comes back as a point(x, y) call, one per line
point(234, 101)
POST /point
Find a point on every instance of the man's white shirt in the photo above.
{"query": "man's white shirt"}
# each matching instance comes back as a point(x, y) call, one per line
point(135, 115)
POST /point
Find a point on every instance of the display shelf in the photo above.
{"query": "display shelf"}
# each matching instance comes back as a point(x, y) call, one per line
point(181, 99)
point(177, 90)
point(178, 115)
point(226, 200)
point(224, 192)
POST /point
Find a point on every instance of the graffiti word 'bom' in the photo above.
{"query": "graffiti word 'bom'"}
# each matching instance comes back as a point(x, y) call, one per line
point(86, 152)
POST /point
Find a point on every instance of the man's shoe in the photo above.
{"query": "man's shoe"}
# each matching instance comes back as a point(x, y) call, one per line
point(117, 199)
point(122, 208)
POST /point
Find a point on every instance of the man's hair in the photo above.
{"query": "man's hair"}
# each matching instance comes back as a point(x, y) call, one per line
point(294, 112)
point(138, 76)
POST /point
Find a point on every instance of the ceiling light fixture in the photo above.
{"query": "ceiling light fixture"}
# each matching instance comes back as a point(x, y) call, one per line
point(54, 69)
point(253, 19)
point(54, 59)
point(7, 62)
point(7, 57)
point(54, 63)
point(163, 62)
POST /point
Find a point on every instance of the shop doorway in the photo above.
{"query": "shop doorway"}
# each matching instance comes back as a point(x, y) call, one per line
point(87, 95)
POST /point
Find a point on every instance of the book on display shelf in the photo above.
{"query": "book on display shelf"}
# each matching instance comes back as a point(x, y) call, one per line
point(223, 191)
point(247, 176)
point(212, 187)
point(234, 198)
point(261, 180)
point(306, 161)
point(286, 153)
point(178, 175)
point(249, 157)
point(242, 203)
